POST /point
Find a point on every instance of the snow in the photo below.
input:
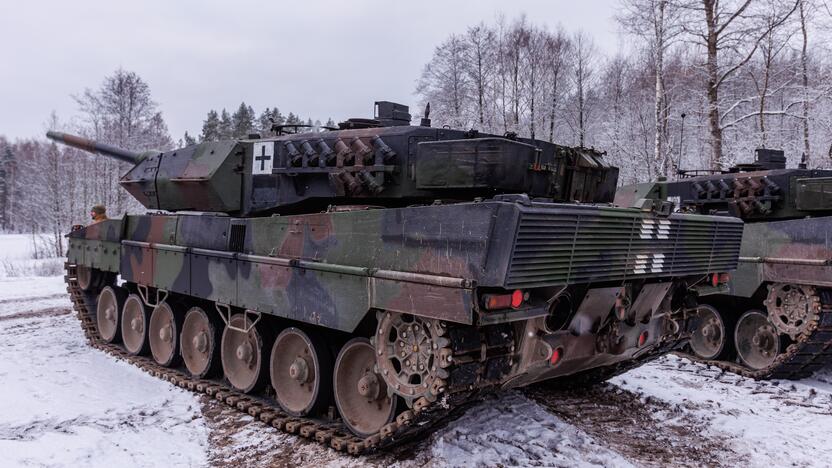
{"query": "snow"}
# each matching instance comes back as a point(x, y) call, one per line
point(63, 403)
point(17, 257)
point(769, 422)
point(15, 246)
point(517, 432)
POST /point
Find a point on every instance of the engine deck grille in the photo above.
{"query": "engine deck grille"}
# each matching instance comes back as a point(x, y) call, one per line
point(557, 245)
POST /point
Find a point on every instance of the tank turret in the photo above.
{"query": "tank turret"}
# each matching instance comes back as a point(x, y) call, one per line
point(382, 161)
point(761, 191)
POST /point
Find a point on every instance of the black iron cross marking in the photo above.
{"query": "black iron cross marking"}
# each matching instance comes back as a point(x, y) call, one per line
point(263, 158)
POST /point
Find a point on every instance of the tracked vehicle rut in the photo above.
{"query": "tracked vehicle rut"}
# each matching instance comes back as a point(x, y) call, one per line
point(359, 286)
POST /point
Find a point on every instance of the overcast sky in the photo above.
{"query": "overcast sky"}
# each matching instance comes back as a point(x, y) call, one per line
point(316, 58)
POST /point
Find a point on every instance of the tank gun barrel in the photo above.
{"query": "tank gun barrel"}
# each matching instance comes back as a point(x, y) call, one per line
point(96, 147)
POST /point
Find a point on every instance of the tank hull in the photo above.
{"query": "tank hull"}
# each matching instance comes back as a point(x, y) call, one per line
point(794, 252)
point(774, 320)
point(507, 292)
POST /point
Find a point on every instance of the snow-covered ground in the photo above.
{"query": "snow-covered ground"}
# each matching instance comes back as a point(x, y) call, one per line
point(63, 403)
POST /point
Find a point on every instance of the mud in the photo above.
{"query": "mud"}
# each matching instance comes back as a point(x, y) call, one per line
point(50, 312)
point(646, 431)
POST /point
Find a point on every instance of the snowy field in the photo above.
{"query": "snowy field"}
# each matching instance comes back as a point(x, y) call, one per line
point(64, 404)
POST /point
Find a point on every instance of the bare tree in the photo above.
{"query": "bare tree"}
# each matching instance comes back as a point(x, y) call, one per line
point(584, 58)
point(444, 82)
point(515, 41)
point(533, 54)
point(480, 63)
point(804, 7)
point(773, 43)
point(121, 112)
point(555, 89)
point(658, 22)
point(731, 33)
point(557, 50)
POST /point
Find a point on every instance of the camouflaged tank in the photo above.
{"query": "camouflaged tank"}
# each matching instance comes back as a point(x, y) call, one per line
point(357, 285)
point(775, 320)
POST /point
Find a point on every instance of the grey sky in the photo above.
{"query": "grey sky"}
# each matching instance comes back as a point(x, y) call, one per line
point(317, 58)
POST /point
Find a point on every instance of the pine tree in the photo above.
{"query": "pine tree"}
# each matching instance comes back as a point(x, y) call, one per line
point(330, 123)
point(242, 121)
point(279, 118)
point(292, 119)
point(210, 127)
point(264, 124)
point(188, 139)
point(268, 118)
point(225, 129)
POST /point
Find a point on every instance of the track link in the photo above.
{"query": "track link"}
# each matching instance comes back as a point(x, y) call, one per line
point(409, 425)
point(809, 353)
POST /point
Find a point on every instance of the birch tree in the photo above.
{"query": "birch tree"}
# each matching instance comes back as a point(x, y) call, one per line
point(730, 31)
point(657, 21)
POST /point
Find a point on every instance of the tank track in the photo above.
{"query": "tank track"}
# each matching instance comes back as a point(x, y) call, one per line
point(417, 422)
point(809, 353)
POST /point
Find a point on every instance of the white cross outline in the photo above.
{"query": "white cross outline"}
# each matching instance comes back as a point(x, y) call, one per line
point(265, 158)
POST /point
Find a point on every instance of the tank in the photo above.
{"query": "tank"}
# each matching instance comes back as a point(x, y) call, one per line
point(775, 320)
point(358, 285)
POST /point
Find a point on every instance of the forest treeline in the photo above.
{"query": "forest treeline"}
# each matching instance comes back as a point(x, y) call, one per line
point(706, 81)
point(695, 84)
point(46, 188)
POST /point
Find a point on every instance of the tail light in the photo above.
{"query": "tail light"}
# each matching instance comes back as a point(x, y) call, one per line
point(505, 301)
point(720, 278)
point(642, 338)
point(557, 355)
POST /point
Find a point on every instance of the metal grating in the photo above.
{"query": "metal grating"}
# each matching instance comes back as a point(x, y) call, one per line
point(237, 238)
point(557, 245)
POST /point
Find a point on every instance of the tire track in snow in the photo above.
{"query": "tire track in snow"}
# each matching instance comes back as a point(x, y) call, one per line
point(647, 431)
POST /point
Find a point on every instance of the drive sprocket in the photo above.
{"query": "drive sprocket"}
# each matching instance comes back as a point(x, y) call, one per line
point(412, 355)
point(791, 307)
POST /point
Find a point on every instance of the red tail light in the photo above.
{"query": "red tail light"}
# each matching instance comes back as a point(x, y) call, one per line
point(504, 301)
point(719, 278)
point(557, 355)
point(517, 298)
point(643, 338)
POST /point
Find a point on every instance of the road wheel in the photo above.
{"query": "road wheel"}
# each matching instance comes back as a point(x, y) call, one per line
point(301, 372)
point(708, 340)
point(757, 341)
point(164, 335)
point(108, 313)
point(242, 355)
point(360, 394)
point(134, 318)
point(200, 344)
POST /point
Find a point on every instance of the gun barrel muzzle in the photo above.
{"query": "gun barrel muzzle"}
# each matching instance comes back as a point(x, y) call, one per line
point(92, 146)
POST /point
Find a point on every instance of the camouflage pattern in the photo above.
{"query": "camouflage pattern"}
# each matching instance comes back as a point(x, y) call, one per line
point(332, 268)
